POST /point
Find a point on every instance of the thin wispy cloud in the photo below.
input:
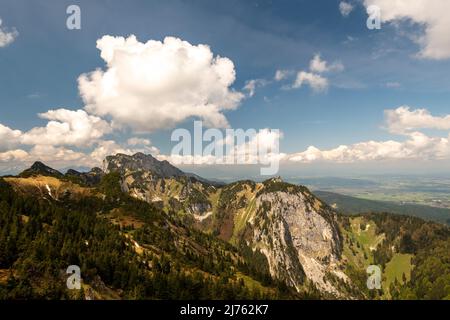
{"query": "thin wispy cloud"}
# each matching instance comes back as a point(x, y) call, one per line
point(345, 8)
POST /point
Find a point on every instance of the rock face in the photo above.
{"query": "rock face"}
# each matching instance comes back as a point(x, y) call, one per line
point(161, 183)
point(146, 162)
point(299, 237)
point(296, 232)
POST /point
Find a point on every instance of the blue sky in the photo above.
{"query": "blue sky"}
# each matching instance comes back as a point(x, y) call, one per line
point(381, 70)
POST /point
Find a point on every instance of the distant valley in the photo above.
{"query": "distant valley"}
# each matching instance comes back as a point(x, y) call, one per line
point(353, 205)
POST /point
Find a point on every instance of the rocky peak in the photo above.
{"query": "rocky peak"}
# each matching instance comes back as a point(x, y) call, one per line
point(140, 162)
point(38, 168)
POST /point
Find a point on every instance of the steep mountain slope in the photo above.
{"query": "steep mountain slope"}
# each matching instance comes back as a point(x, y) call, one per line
point(297, 233)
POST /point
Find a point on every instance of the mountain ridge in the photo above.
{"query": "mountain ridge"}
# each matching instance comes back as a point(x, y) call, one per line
point(279, 234)
point(280, 237)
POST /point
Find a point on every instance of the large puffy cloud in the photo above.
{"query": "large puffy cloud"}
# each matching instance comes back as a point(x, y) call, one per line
point(403, 120)
point(432, 14)
point(9, 137)
point(13, 155)
point(7, 36)
point(155, 85)
point(52, 154)
point(146, 86)
point(67, 127)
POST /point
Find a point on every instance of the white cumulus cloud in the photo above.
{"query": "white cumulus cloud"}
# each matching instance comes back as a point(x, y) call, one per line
point(417, 146)
point(315, 77)
point(431, 14)
point(156, 85)
point(9, 137)
point(260, 147)
point(403, 120)
point(315, 81)
point(13, 155)
point(52, 154)
point(67, 127)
